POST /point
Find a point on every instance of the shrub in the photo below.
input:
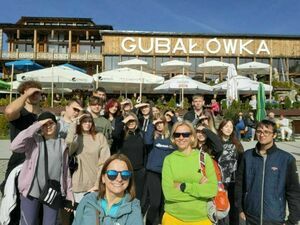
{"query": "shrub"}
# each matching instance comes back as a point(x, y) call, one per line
point(4, 127)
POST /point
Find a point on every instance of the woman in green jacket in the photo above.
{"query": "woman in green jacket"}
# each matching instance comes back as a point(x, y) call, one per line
point(185, 189)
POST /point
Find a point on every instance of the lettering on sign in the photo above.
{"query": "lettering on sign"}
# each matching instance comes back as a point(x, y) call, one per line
point(190, 46)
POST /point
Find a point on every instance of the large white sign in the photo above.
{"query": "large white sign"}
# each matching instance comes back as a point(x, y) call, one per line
point(213, 46)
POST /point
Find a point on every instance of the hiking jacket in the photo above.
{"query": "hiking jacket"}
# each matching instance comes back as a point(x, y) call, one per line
point(28, 141)
point(265, 184)
point(129, 212)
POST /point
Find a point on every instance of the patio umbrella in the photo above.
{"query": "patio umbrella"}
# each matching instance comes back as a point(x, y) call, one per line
point(244, 85)
point(59, 77)
point(21, 65)
point(213, 67)
point(133, 63)
point(261, 103)
point(256, 68)
point(175, 65)
point(127, 78)
point(232, 90)
point(183, 82)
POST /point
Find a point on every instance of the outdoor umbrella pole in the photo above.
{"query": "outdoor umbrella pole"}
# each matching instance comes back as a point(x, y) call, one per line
point(11, 82)
point(52, 87)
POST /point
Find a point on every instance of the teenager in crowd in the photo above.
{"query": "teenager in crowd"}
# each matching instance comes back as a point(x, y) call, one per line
point(157, 138)
point(186, 190)
point(21, 113)
point(134, 148)
point(112, 112)
point(91, 150)
point(102, 124)
point(115, 202)
point(35, 141)
point(229, 161)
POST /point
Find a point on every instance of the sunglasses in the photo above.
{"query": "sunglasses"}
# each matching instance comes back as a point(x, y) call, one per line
point(113, 174)
point(184, 134)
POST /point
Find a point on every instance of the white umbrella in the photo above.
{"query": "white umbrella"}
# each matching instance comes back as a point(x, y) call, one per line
point(175, 65)
point(123, 78)
point(244, 85)
point(256, 68)
point(183, 82)
point(213, 66)
point(232, 90)
point(59, 77)
point(133, 63)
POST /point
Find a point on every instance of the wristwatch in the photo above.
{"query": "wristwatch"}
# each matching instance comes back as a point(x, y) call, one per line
point(182, 187)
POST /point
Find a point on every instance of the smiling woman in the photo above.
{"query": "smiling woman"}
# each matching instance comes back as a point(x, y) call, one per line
point(186, 190)
point(115, 203)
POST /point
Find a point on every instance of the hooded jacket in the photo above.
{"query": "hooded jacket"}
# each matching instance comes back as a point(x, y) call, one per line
point(27, 142)
point(129, 212)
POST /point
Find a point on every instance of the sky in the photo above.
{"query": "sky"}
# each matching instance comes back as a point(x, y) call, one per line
point(280, 17)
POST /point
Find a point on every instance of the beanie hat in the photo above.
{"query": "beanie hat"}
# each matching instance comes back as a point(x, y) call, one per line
point(47, 115)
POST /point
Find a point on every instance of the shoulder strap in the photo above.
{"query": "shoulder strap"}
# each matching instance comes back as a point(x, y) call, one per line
point(46, 160)
point(202, 162)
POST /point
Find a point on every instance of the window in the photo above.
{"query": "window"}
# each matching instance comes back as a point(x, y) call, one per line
point(111, 62)
point(231, 60)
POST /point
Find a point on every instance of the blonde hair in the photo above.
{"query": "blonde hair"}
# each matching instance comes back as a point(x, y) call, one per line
point(188, 124)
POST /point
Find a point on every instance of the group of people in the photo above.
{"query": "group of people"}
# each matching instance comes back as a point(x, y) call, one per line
point(124, 164)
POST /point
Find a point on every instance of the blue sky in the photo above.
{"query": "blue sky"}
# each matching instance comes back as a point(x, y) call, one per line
point(192, 16)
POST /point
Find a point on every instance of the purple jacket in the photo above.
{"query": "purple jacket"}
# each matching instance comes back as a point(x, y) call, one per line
point(27, 141)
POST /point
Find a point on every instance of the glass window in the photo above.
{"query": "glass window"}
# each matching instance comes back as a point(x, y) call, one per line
point(263, 60)
point(63, 49)
point(245, 60)
point(53, 48)
point(111, 62)
point(195, 62)
point(231, 60)
point(294, 66)
point(149, 60)
point(158, 61)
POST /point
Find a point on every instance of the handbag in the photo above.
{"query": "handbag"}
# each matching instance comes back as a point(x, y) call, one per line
point(218, 207)
point(51, 194)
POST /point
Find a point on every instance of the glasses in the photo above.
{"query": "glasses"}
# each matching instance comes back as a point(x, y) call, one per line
point(184, 134)
point(265, 133)
point(113, 174)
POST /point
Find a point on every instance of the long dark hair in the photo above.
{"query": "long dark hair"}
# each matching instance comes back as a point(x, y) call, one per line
point(92, 131)
point(131, 186)
point(232, 138)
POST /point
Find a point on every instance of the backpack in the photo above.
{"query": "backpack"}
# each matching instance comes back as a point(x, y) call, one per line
point(218, 207)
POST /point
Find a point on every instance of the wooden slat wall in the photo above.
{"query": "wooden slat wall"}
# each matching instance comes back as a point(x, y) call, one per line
point(277, 47)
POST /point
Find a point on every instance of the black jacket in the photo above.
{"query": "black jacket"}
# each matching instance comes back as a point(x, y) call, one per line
point(268, 182)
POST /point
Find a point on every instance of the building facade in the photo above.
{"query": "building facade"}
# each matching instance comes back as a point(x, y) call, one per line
point(49, 40)
point(81, 42)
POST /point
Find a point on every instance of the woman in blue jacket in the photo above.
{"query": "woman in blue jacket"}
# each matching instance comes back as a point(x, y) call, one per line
point(157, 137)
point(115, 203)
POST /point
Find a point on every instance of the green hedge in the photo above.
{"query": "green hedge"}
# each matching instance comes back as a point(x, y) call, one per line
point(4, 127)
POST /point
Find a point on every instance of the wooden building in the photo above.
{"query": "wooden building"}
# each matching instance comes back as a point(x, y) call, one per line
point(81, 42)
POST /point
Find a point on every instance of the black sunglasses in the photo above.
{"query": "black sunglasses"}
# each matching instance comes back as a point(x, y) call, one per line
point(184, 134)
point(113, 174)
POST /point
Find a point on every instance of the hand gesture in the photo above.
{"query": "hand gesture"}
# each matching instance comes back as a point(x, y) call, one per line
point(30, 91)
point(43, 122)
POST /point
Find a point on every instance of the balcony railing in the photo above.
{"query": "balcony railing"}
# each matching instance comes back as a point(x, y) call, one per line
point(51, 56)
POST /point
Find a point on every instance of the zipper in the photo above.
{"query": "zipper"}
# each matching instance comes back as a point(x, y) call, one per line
point(262, 191)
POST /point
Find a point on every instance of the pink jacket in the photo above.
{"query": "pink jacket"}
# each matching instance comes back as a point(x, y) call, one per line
point(27, 141)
